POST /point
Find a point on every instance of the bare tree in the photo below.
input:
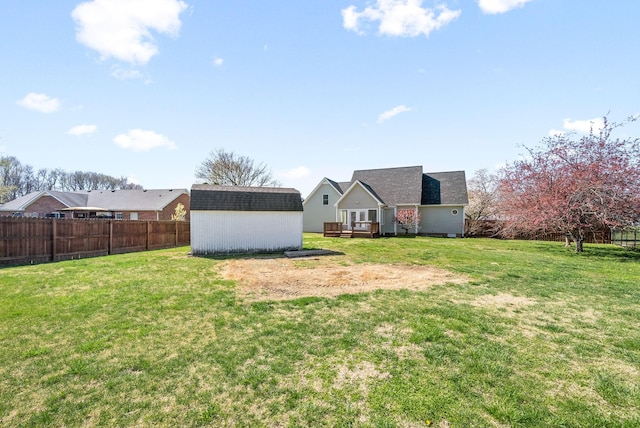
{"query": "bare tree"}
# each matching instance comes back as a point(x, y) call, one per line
point(17, 179)
point(230, 169)
point(482, 212)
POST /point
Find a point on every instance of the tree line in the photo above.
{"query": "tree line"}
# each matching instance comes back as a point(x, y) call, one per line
point(18, 179)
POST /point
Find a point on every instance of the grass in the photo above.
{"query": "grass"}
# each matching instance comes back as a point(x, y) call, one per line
point(540, 336)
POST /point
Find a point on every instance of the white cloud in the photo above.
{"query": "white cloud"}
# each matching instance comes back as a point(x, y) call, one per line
point(295, 173)
point(393, 112)
point(122, 28)
point(583, 126)
point(124, 74)
point(140, 140)
point(40, 102)
point(217, 62)
point(402, 18)
point(493, 7)
point(80, 130)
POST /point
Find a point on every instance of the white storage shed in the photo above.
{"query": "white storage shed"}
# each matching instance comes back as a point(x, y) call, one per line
point(233, 219)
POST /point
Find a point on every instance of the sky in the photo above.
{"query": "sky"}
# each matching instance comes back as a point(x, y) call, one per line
point(148, 89)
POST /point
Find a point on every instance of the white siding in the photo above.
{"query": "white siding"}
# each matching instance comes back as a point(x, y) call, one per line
point(245, 232)
point(358, 198)
point(315, 213)
point(439, 220)
point(388, 225)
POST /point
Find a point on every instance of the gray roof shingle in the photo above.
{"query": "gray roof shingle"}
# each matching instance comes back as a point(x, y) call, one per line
point(445, 188)
point(113, 200)
point(393, 185)
point(129, 200)
point(408, 185)
point(235, 198)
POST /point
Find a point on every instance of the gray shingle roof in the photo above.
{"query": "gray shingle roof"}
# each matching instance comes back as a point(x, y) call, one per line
point(133, 200)
point(113, 200)
point(393, 185)
point(338, 186)
point(408, 185)
point(446, 188)
point(235, 198)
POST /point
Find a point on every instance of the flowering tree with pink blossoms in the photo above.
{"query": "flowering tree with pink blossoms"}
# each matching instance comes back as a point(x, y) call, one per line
point(573, 186)
point(407, 219)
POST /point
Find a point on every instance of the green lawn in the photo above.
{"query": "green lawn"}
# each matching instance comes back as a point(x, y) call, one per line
point(540, 336)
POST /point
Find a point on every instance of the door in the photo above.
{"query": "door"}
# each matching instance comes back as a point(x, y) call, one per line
point(358, 219)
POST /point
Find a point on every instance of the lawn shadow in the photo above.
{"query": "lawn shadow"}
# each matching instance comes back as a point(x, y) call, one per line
point(270, 255)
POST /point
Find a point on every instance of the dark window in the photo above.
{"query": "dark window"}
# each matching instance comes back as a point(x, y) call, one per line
point(325, 199)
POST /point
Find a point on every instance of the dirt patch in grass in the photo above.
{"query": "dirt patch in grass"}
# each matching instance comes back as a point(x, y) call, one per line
point(503, 300)
point(283, 279)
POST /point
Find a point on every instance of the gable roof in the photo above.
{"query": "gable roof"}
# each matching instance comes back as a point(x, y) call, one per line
point(410, 186)
point(112, 200)
point(336, 186)
point(133, 200)
point(393, 186)
point(444, 188)
point(206, 197)
point(366, 188)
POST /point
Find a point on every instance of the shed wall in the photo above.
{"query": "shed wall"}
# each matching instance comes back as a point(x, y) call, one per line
point(245, 231)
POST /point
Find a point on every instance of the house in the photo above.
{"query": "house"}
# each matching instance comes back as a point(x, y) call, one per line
point(371, 200)
point(135, 204)
point(234, 219)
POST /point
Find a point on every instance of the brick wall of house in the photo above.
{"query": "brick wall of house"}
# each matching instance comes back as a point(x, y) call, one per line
point(170, 209)
point(43, 206)
point(165, 214)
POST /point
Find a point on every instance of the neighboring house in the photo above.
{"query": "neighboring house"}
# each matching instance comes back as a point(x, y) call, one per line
point(233, 219)
point(152, 204)
point(376, 195)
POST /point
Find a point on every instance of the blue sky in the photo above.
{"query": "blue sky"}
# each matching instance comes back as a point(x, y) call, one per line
point(148, 88)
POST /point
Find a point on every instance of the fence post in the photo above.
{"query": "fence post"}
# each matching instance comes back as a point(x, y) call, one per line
point(148, 235)
point(110, 245)
point(54, 233)
point(176, 222)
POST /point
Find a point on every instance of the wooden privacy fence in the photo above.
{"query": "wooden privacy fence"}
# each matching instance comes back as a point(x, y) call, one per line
point(35, 240)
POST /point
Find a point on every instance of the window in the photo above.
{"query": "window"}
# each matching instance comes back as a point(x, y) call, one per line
point(373, 216)
point(118, 216)
point(325, 199)
point(133, 216)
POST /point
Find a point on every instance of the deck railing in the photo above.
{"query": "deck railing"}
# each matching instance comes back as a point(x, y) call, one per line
point(367, 229)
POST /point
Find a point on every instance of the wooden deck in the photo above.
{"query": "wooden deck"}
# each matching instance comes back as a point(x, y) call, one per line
point(358, 230)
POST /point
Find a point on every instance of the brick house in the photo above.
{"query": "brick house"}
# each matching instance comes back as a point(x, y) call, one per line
point(152, 204)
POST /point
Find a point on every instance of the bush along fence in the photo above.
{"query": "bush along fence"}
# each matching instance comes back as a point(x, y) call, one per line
point(34, 240)
point(491, 229)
